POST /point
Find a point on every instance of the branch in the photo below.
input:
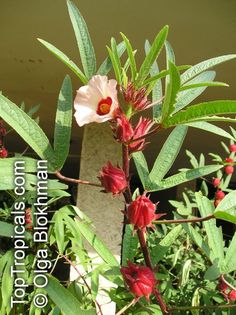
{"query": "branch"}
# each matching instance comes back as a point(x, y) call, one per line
point(84, 280)
point(127, 306)
point(222, 278)
point(75, 181)
point(194, 220)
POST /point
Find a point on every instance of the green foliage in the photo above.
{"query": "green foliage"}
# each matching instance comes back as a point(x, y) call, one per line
point(226, 210)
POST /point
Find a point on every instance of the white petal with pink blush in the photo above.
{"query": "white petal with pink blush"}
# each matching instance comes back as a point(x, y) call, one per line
point(97, 101)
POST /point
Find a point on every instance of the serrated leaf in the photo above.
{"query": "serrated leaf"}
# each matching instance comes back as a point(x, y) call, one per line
point(203, 125)
point(28, 129)
point(183, 177)
point(173, 87)
point(159, 251)
point(201, 111)
point(96, 243)
point(226, 209)
point(62, 132)
point(106, 66)
point(214, 234)
point(152, 55)
point(130, 245)
point(66, 60)
point(204, 65)
point(142, 168)
point(66, 301)
point(84, 42)
point(168, 154)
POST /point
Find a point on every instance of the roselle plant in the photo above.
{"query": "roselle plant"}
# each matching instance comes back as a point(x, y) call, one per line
point(168, 266)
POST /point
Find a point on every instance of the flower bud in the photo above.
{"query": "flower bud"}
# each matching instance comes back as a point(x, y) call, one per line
point(229, 161)
point(232, 295)
point(232, 148)
point(3, 153)
point(28, 219)
point(113, 179)
point(216, 202)
point(229, 169)
point(123, 131)
point(141, 212)
point(220, 194)
point(136, 98)
point(216, 181)
point(140, 279)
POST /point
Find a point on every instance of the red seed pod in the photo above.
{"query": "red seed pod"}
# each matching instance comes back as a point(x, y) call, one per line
point(222, 286)
point(3, 153)
point(229, 169)
point(113, 179)
point(220, 194)
point(216, 182)
point(216, 202)
point(140, 279)
point(141, 212)
point(232, 295)
point(136, 98)
point(229, 161)
point(28, 219)
point(232, 147)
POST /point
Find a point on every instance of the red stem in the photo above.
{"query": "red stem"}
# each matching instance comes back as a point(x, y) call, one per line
point(209, 217)
point(75, 181)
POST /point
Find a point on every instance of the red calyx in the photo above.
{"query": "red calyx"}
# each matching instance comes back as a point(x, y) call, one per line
point(140, 279)
point(229, 161)
point(229, 169)
point(141, 212)
point(220, 194)
point(136, 98)
point(28, 219)
point(216, 182)
point(3, 153)
point(232, 295)
point(113, 179)
point(232, 147)
point(123, 131)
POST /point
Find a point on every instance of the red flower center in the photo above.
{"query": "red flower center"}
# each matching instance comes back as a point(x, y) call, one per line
point(104, 106)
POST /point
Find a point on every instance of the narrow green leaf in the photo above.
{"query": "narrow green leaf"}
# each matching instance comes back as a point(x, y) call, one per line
point(203, 125)
point(106, 66)
point(59, 231)
point(226, 210)
point(65, 300)
point(194, 86)
point(159, 251)
point(62, 132)
point(116, 57)
point(230, 257)
point(115, 65)
point(142, 168)
point(201, 111)
point(130, 52)
point(28, 129)
point(204, 65)
point(214, 234)
point(168, 154)
point(173, 87)
point(184, 98)
point(130, 245)
point(152, 55)
point(7, 283)
point(97, 244)
point(66, 60)
point(6, 229)
point(183, 177)
point(84, 42)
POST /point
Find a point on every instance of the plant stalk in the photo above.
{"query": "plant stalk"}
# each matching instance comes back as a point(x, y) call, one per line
point(194, 220)
point(74, 180)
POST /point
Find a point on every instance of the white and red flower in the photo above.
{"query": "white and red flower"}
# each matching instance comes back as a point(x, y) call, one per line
point(97, 101)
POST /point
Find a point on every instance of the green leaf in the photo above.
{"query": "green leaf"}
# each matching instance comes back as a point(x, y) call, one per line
point(28, 129)
point(183, 177)
point(168, 154)
point(66, 301)
point(116, 60)
point(173, 87)
point(115, 65)
point(197, 85)
point(96, 243)
point(106, 66)
point(186, 97)
point(152, 309)
point(6, 229)
point(62, 132)
point(212, 273)
point(66, 60)
point(203, 125)
point(204, 65)
point(226, 210)
point(84, 42)
point(230, 257)
point(185, 272)
point(142, 168)
point(159, 251)
point(7, 282)
point(201, 111)
point(152, 55)
point(130, 52)
point(130, 244)
point(214, 234)
point(59, 231)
